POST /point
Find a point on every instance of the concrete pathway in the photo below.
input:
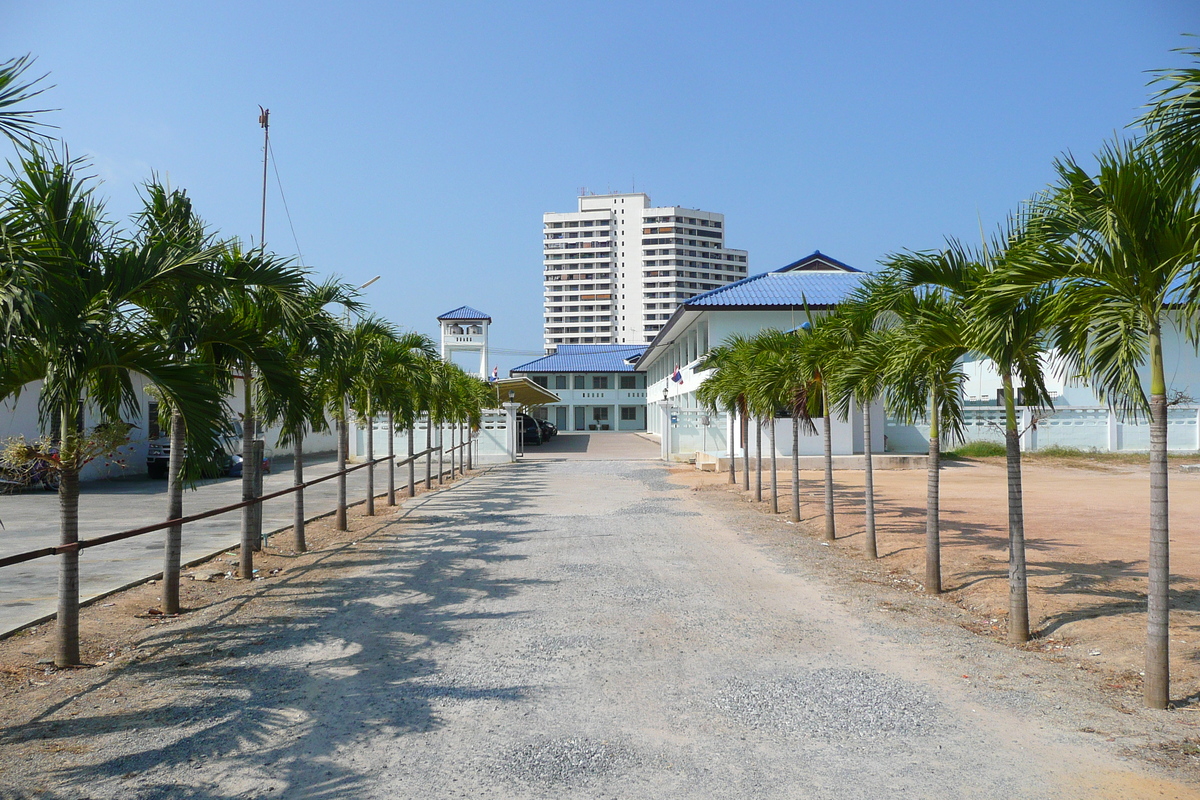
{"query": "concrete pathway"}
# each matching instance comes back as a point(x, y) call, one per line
point(28, 590)
point(607, 446)
point(586, 630)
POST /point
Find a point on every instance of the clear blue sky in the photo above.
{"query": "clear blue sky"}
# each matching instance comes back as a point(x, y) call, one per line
point(423, 141)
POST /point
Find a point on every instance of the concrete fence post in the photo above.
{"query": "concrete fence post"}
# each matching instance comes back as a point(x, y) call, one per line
point(1114, 432)
point(510, 415)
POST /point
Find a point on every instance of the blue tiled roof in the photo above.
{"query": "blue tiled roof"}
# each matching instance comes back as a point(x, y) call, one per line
point(465, 312)
point(816, 260)
point(585, 358)
point(775, 289)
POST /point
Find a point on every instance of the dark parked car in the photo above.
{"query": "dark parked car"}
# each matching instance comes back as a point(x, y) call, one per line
point(549, 429)
point(531, 431)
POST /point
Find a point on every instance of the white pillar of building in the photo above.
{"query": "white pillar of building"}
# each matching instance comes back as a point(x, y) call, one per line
point(510, 411)
point(665, 407)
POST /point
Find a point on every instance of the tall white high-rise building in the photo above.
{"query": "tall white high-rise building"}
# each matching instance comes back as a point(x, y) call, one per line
point(615, 270)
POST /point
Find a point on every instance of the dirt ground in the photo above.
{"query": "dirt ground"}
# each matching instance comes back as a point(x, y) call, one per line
point(1087, 533)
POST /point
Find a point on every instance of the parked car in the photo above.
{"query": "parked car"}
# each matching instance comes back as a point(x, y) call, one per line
point(531, 431)
point(226, 462)
point(549, 429)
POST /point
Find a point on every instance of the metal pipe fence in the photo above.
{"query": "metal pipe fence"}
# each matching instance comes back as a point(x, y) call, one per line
point(83, 544)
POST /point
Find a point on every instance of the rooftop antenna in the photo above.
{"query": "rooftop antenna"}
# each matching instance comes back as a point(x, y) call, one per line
point(264, 119)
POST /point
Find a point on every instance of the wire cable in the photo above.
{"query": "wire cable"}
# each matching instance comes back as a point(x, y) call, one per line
point(286, 211)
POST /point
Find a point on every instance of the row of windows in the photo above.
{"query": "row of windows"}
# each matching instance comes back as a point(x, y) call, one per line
point(560, 309)
point(682, 285)
point(579, 382)
point(578, 235)
point(582, 223)
point(579, 245)
point(580, 340)
point(561, 256)
point(705, 223)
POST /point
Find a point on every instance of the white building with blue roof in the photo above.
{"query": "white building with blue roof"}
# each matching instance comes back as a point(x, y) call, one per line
point(776, 299)
point(597, 384)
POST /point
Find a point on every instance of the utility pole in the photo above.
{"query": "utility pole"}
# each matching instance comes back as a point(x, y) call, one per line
point(264, 119)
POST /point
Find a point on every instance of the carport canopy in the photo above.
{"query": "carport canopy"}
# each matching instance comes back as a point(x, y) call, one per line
point(524, 391)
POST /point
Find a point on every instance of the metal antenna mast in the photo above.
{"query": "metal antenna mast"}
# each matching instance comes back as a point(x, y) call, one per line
point(264, 119)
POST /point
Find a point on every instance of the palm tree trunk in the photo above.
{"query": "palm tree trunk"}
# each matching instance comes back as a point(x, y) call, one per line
point(370, 423)
point(933, 544)
point(758, 459)
point(1157, 687)
point(342, 450)
point(246, 556)
point(66, 634)
point(827, 435)
point(391, 494)
point(732, 453)
point(745, 449)
point(173, 546)
point(412, 463)
point(795, 467)
point(869, 484)
point(1018, 580)
point(774, 470)
point(429, 452)
point(299, 544)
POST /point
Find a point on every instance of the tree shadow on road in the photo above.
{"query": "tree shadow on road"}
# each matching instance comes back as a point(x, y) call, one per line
point(274, 687)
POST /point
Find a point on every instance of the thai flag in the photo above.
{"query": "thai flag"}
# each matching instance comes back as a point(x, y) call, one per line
point(677, 376)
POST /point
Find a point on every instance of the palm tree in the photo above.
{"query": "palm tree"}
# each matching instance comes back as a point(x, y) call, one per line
point(923, 375)
point(80, 332)
point(860, 380)
point(17, 123)
point(818, 352)
point(312, 331)
point(179, 313)
point(1011, 329)
point(1131, 241)
point(779, 380)
point(263, 295)
point(402, 362)
point(1173, 120)
point(726, 388)
point(344, 376)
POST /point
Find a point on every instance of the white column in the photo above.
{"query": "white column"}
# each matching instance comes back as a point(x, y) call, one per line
point(665, 422)
point(510, 411)
point(1114, 432)
point(1028, 443)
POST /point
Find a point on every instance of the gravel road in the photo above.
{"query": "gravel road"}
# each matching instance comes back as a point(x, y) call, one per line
point(581, 629)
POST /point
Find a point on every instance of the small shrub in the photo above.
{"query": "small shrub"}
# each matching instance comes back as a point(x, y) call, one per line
point(1058, 451)
point(976, 450)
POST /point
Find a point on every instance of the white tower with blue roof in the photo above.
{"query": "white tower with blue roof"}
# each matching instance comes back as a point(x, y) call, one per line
point(466, 328)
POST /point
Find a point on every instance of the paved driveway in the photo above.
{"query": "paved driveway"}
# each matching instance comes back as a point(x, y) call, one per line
point(580, 630)
point(606, 446)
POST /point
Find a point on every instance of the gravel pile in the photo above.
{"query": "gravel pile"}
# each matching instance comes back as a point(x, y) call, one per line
point(828, 702)
point(572, 763)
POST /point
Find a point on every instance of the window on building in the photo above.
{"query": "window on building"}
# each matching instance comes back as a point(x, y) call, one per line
point(579, 382)
point(629, 412)
point(560, 381)
point(599, 381)
point(628, 381)
point(600, 413)
point(541, 381)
